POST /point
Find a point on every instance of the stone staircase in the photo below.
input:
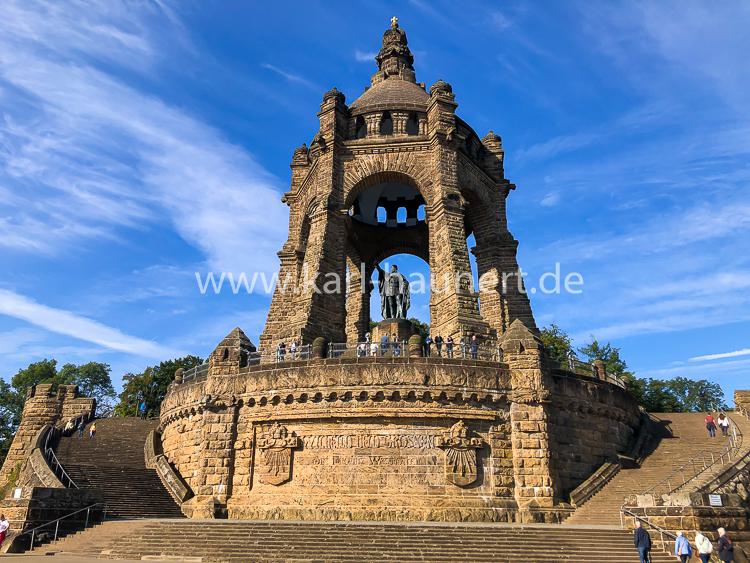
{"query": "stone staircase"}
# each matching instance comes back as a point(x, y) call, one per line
point(227, 540)
point(678, 437)
point(113, 462)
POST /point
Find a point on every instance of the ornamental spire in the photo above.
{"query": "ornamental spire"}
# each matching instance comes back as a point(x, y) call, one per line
point(395, 58)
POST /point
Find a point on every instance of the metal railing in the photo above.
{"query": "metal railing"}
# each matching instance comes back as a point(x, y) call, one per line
point(36, 531)
point(390, 349)
point(574, 365)
point(291, 353)
point(699, 465)
point(54, 464)
point(624, 512)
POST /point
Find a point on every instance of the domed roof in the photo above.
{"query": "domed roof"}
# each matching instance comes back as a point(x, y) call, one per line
point(391, 93)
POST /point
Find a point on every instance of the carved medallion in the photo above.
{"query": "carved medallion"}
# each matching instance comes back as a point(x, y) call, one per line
point(460, 454)
point(276, 445)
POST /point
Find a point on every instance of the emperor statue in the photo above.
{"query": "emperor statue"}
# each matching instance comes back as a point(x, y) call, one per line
point(394, 293)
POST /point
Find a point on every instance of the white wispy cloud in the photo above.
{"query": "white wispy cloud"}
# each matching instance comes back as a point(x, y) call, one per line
point(67, 323)
point(84, 154)
point(550, 200)
point(721, 356)
point(364, 56)
point(291, 77)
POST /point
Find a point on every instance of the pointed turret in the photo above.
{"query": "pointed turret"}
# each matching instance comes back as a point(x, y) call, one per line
point(394, 58)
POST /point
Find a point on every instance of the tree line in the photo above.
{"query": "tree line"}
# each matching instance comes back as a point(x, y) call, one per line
point(150, 386)
point(679, 394)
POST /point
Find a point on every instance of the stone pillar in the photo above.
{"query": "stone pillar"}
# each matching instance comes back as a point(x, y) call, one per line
point(373, 123)
point(309, 307)
point(399, 122)
point(454, 308)
point(531, 388)
point(219, 408)
point(357, 299)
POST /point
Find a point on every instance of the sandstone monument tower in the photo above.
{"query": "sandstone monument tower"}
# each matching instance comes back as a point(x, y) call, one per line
point(397, 146)
point(331, 430)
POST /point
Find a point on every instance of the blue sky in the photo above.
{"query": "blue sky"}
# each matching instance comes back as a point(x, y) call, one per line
point(142, 142)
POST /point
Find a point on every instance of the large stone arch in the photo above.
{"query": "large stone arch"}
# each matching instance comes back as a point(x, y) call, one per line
point(366, 171)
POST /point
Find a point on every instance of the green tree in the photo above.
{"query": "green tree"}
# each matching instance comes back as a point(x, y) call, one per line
point(614, 365)
point(150, 386)
point(557, 342)
point(423, 329)
point(93, 380)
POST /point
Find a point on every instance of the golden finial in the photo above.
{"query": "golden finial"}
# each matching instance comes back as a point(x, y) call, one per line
point(394, 22)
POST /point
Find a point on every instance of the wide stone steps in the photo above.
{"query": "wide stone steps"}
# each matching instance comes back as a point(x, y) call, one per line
point(681, 438)
point(212, 540)
point(113, 462)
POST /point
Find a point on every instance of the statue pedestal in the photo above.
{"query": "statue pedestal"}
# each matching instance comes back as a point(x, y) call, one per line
point(402, 328)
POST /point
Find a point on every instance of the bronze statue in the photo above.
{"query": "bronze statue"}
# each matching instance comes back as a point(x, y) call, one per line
point(394, 293)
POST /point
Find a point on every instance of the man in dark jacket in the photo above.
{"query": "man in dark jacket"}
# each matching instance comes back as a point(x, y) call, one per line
point(726, 549)
point(642, 542)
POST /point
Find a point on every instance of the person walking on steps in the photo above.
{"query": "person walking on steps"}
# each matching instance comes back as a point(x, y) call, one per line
point(642, 542)
point(81, 426)
point(4, 525)
point(724, 424)
point(725, 546)
point(682, 548)
point(92, 430)
point(710, 425)
point(704, 547)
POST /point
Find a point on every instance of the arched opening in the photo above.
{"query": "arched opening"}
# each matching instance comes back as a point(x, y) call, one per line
point(383, 222)
point(360, 128)
point(412, 124)
point(386, 124)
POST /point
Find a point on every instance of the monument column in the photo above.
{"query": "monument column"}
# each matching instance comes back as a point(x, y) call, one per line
point(312, 302)
point(454, 308)
point(531, 389)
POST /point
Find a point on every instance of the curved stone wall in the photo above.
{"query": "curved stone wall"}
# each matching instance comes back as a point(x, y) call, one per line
point(379, 439)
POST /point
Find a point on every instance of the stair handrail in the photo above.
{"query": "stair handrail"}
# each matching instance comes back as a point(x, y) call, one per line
point(56, 522)
point(662, 531)
point(699, 464)
point(50, 457)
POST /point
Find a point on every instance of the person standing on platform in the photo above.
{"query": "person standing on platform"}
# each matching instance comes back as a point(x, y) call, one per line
point(449, 347)
point(439, 345)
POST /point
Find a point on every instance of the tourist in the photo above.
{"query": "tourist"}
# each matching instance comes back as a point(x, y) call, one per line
point(428, 346)
point(395, 345)
point(710, 425)
point(726, 548)
point(464, 345)
point(682, 547)
point(474, 347)
point(92, 430)
point(142, 409)
point(374, 349)
point(280, 352)
point(293, 350)
point(81, 426)
point(704, 547)
point(571, 361)
point(449, 347)
point(4, 525)
point(724, 424)
point(439, 345)
point(384, 340)
point(69, 426)
point(361, 349)
point(642, 542)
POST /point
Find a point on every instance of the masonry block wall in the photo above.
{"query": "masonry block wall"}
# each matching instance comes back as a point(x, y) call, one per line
point(391, 438)
point(43, 406)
